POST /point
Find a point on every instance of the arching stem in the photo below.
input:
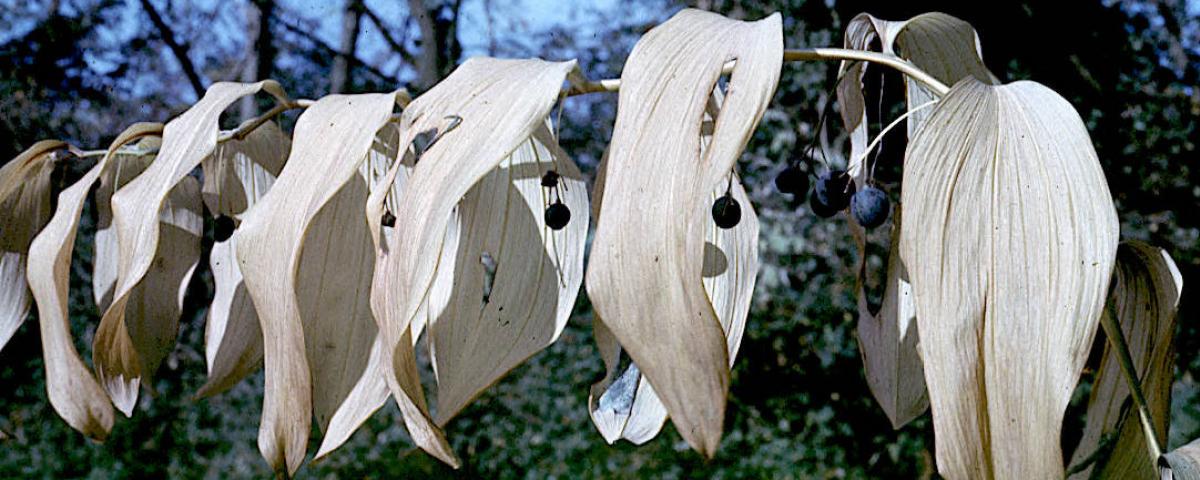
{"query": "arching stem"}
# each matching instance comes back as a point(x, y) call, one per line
point(614, 84)
point(800, 55)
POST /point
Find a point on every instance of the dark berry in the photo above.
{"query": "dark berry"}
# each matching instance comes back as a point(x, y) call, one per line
point(223, 228)
point(834, 189)
point(792, 181)
point(557, 215)
point(726, 212)
point(550, 179)
point(870, 207)
point(388, 220)
point(820, 208)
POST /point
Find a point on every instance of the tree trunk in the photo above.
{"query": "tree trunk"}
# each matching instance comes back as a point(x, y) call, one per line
point(440, 48)
point(259, 54)
point(339, 78)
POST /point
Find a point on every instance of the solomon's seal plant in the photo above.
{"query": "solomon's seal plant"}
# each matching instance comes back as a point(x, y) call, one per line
point(455, 218)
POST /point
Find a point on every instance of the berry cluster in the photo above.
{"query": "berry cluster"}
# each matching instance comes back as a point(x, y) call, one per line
point(835, 191)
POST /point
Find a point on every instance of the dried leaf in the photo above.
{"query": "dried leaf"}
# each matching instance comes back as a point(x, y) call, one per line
point(888, 339)
point(1144, 298)
point(1181, 464)
point(239, 172)
point(370, 392)
point(307, 262)
point(14, 295)
point(496, 105)
point(623, 404)
point(138, 208)
point(1009, 237)
point(233, 344)
point(74, 393)
point(147, 330)
point(236, 176)
point(24, 210)
point(646, 273)
point(105, 250)
point(947, 48)
point(494, 322)
point(25, 194)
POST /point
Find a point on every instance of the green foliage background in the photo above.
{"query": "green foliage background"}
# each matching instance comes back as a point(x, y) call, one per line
point(799, 406)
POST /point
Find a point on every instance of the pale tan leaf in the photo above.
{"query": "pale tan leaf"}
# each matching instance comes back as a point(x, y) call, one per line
point(947, 48)
point(136, 215)
point(496, 105)
point(25, 194)
point(14, 295)
point(646, 273)
point(155, 304)
point(236, 176)
point(104, 258)
point(1144, 298)
point(233, 344)
point(370, 391)
point(333, 283)
point(501, 313)
point(145, 334)
point(24, 210)
point(239, 172)
point(888, 339)
point(307, 262)
point(1181, 464)
point(623, 404)
point(73, 392)
point(942, 45)
point(1009, 237)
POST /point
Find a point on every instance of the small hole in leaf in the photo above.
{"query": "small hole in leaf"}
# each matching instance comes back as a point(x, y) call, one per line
point(489, 274)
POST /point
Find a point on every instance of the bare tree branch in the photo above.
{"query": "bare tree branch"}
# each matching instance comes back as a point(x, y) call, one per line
point(320, 44)
point(180, 50)
point(385, 32)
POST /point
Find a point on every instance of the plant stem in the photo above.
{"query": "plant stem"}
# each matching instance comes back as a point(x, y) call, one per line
point(248, 126)
point(614, 84)
point(885, 59)
point(807, 54)
point(1116, 339)
point(888, 128)
point(238, 133)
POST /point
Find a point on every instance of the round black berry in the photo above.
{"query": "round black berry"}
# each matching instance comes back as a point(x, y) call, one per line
point(550, 179)
point(223, 228)
point(870, 207)
point(792, 181)
point(557, 215)
point(820, 208)
point(726, 212)
point(834, 189)
point(388, 220)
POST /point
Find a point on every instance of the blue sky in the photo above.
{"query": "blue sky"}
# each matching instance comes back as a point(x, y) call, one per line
point(507, 17)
